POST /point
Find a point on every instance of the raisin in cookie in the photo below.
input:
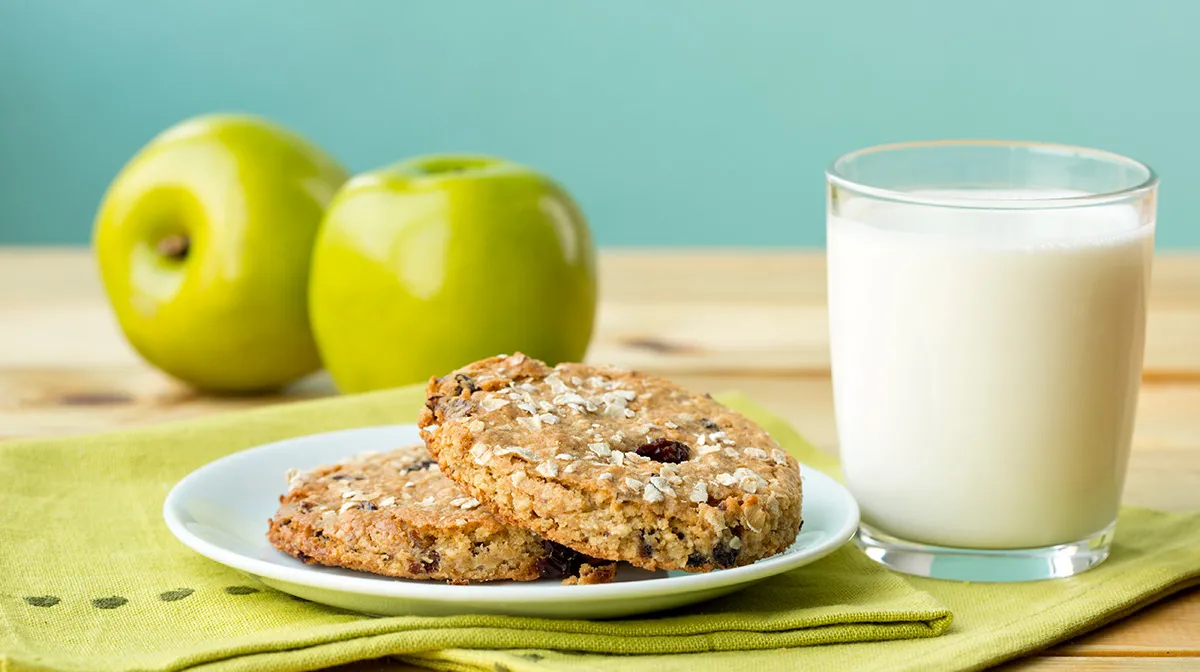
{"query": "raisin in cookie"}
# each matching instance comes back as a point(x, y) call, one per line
point(394, 513)
point(613, 463)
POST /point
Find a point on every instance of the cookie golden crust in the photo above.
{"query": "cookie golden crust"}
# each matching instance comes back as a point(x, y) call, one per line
point(614, 464)
point(395, 514)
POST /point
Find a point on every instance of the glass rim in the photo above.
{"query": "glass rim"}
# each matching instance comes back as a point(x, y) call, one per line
point(834, 176)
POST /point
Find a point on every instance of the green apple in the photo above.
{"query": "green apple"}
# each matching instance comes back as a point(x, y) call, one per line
point(440, 260)
point(204, 240)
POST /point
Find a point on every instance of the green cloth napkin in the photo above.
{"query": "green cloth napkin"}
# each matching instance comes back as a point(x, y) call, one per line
point(90, 579)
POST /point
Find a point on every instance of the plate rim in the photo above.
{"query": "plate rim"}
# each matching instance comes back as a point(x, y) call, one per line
point(440, 591)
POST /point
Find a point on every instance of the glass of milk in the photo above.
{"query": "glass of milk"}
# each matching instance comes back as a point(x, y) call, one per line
point(987, 311)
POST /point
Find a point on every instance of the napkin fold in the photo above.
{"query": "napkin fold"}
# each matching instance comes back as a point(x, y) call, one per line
point(91, 579)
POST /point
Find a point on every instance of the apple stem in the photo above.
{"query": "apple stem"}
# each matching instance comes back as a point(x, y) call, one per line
point(175, 247)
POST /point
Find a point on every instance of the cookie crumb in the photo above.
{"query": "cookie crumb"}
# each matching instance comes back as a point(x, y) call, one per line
point(592, 575)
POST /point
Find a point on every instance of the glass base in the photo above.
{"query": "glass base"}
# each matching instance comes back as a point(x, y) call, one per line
point(985, 565)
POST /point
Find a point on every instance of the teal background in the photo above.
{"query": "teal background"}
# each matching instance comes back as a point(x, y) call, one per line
point(673, 122)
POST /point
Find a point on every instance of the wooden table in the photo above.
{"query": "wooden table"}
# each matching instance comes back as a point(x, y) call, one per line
point(712, 320)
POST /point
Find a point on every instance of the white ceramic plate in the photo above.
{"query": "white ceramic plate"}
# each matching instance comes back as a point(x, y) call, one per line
point(221, 511)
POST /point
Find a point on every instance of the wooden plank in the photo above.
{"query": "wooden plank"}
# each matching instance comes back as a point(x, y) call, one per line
point(708, 312)
point(1176, 279)
point(694, 312)
point(63, 275)
point(686, 277)
point(714, 338)
point(651, 275)
point(793, 339)
point(798, 275)
point(1171, 627)
point(1100, 664)
point(70, 400)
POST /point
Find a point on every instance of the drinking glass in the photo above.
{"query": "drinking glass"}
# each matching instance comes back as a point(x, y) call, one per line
point(987, 305)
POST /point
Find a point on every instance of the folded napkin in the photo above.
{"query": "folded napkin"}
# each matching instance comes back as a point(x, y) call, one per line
point(90, 579)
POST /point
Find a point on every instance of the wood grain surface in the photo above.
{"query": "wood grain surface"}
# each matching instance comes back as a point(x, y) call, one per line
point(750, 320)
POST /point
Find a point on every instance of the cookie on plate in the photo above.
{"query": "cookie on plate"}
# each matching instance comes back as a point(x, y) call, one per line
point(613, 463)
point(395, 514)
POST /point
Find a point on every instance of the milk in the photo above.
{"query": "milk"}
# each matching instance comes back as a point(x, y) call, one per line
point(986, 366)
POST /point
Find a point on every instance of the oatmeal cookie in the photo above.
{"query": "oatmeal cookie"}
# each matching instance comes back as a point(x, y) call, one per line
point(395, 514)
point(614, 463)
